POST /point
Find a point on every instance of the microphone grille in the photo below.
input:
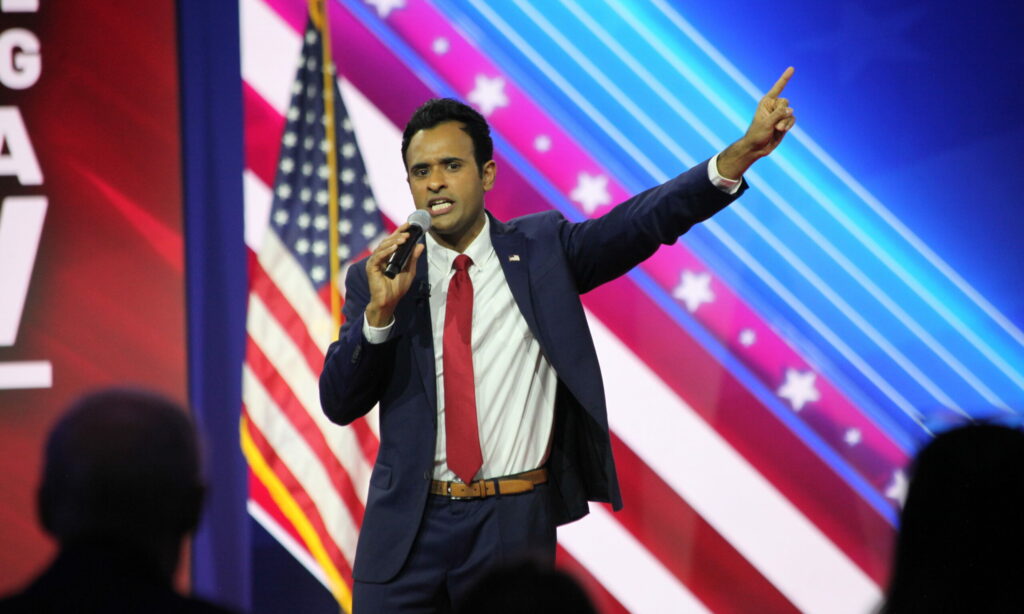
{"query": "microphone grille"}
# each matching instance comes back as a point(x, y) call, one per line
point(420, 218)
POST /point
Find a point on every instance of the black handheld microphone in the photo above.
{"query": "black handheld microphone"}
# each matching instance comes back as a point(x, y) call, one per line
point(419, 223)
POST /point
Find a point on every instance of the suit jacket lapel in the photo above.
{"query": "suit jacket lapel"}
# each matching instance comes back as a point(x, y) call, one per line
point(511, 249)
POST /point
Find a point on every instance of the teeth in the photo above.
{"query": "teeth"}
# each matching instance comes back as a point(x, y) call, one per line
point(441, 204)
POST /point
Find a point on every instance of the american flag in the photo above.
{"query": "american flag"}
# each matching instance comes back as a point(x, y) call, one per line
point(794, 350)
point(308, 477)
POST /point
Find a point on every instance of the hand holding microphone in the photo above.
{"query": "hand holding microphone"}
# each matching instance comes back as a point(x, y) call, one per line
point(419, 223)
point(383, 268)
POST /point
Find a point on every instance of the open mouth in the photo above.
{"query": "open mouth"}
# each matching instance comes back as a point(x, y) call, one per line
point(438, 206)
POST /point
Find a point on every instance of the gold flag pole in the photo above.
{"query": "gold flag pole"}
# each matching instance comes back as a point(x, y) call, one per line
point(318, 12)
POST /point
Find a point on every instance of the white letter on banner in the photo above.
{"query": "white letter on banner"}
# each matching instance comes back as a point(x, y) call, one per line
point(21, 160)
point(20, 63)
point(19, 6)
point(21, 225)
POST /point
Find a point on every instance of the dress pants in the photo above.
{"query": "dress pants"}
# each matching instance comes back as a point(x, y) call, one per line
point(458, 542)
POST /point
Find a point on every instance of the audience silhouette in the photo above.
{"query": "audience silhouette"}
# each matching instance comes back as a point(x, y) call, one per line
point(121, 488)
point(960, 546)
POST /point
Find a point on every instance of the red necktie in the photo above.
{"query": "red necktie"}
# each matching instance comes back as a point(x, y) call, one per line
point(461, 433)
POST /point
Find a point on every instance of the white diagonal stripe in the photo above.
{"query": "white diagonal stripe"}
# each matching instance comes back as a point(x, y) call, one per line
point(624, 567)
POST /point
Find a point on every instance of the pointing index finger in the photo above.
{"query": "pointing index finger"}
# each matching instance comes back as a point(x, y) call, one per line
point(780, 84)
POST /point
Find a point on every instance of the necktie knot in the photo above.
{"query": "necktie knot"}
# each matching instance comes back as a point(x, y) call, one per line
point(462, 262)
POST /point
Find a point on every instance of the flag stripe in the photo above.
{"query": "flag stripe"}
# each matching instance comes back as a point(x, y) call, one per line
point(313, 437)
point(605, 602)
point(743, 434)
point(274, 474)
point(629, 572)
point(762, 524)
point(689, 547)
point(302, 383)
point(309, 483)
point(281, 310)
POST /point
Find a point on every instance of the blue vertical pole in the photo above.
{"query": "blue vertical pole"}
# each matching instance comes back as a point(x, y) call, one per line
point(217, 286)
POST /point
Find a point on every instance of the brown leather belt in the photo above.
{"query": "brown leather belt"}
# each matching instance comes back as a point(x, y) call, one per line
point(507, 485)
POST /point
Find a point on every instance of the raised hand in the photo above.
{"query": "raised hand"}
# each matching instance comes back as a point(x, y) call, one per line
point(773, 118)
point(384, 292)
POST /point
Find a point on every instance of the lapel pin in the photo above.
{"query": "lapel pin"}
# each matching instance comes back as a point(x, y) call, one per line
point(513, 258)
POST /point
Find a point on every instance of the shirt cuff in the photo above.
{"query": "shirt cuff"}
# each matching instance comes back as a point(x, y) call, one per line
point(729, 186)
point(376, 335)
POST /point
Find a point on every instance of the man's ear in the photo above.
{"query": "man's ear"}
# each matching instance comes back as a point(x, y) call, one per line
point(490, 171)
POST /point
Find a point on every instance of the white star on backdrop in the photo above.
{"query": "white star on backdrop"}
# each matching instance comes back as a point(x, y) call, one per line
point(542, 143)
point(591, 191)
point(799, 388)
point(852, 436)
point(441, 45)
point(897, 488)
point(488, 94)
point(694, 290)
point(747, 337)
point(384, 7)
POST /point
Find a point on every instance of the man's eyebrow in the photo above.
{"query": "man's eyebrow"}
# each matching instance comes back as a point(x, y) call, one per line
point(442, 161)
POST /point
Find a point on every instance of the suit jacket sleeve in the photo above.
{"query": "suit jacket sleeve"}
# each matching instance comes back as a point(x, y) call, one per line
point(355, 371)
point(604, 248)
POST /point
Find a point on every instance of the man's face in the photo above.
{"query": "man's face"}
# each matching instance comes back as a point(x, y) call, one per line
point(445, 182)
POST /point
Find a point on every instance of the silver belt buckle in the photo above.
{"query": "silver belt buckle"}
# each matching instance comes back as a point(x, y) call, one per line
point(453, 497)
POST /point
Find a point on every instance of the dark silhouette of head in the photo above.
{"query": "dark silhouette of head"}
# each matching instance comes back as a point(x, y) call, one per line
point(526, 586)
point(122, 468)
point(960, 546)
point(440, 110)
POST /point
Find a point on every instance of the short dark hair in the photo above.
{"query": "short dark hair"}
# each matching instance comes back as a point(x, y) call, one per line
point(440, 110)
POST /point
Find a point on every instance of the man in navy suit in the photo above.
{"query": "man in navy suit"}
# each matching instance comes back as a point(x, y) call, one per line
point(488, 328)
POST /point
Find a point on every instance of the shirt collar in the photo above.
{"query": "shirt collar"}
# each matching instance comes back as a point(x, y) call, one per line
point(480, 251)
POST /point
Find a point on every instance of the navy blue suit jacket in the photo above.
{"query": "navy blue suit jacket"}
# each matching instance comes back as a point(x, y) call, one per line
point(557, 261)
